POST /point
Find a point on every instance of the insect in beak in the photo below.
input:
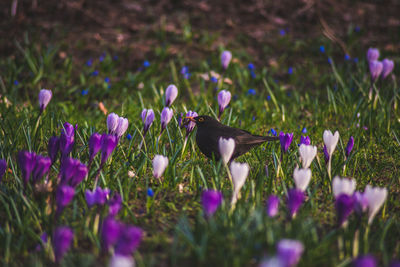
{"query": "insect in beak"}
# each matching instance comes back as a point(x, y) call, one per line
point(190, 118)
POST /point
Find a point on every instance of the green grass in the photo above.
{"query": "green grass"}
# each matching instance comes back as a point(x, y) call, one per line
point(317, 96)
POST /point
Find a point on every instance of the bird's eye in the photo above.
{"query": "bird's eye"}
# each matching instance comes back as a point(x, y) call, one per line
point(201, 119)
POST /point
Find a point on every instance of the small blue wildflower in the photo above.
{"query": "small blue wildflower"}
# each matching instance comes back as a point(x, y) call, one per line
point(254, 118)
point(268, 97)
point(335, 87)
point(272, 131)
point(250, 66)
point(276, 81)
point(213, 79)
point(355, 60)
point(146, 64)
point(352, 89)
point(95, 73)
point(329, 60)
point(253, 74)
point(289, 94)
point(304, 130)
point(187, 75)
point(346, 57)
point(101, 58)
point(282, 32)
point(89, 63)
point(16, 82)
point(150, 192)
point(129, 137)
point(84, 92)
point(290, 70)
point(184, 70)
point(251, 91)
point(109, 85)
point(322, 49)
point(115, 57)
point(357, 29)
point(106, 79)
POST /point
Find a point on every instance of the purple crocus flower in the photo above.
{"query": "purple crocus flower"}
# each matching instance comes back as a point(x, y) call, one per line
point(44, 99)
point(67, 139)
point(170, 94)
point(64, 196)
point(344, 205)
point(72, 171)
point(211, 200)
point(289, 251)
point(147, 118)
point(110, 232)
point(365, 261)
point(305, 140)
point(166, 116)
point(3, 168)
point(375, 68)
point(94, 145)
point(349, 146)
point(226, 57)
point(394, 263)
point(372, 54)
point(98, 196)
point(90, 197)
point(44, 240)
point(286, 140)
point(190, 125)
point(388, 66)
point(294, 200)
point(326, 154)
point(53, 147)
point(26, 162)
point(272, 206)
point(62, 239)
point(42, 166)
point(114, 205)
point(129, 240)
point(108, 144)
point(224, 97)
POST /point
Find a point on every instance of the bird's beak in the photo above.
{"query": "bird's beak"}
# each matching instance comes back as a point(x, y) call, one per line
point(190, 118)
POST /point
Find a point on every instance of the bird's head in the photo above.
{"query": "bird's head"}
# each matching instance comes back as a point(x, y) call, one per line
point(201, 120)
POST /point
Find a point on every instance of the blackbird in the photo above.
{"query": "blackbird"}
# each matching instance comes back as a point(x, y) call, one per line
point(209, 131)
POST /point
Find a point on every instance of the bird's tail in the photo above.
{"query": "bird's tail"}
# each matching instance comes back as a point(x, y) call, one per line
point(271, 138)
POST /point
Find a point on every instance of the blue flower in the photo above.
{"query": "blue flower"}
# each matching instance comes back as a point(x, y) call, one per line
point(16, 82)
point(251, 91)
point(272, 131)
point(213, 79)
point(115, 57)
point(357, 29)
point(150, 192)
point(268, 97)
point(146, 64)
point(250, 66)
point(253, 74)
point(282, 32)
point(254, 118)
point(346, 57)
point(304, 130)
point(129, 137)
point(106, 79)
point(329, 60)
point(184, 70)
point(84, 92)
point(290, 70)
point(89, 63)
point(322, 49)
point(101, 58)
point(95, 73)
point(355, 60)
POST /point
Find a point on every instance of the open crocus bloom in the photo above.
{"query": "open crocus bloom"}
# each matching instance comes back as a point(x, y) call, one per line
point(226, 148)
point(302, 178)
point(343, 186)
point(376, 197)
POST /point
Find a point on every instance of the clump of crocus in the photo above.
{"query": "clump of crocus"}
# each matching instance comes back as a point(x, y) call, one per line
point(226, 57)
point(72, 171)
point(211, 200)
point(26, 162)
point(117, 125)
point(372, 54)
point(305, 140)
point(387, 67)
point(98, 196)
point(239, 172)
point(170, 94)
point(272, 205)
point(224, 97)
point(294, 200)
point(64, 196)
point(307, 154)
point(62, 239)
point(226, 148)
point(166, 116)
point(330, 141)
point(160, 163)
point(376, 196)
point(94, 146)
point(289, 251)
point(53, 147)
point(375, 68)
point(286, 140)
point(3, 168)
point(67, 138)
point(44, 99)
point(349, 146)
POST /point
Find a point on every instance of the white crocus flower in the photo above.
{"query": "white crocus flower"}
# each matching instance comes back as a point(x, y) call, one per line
point(376, 197)
point(226, 148)
point(307, 154)
point(343, 186)
point(302, 178)
point(159, 164)
point(239, 172)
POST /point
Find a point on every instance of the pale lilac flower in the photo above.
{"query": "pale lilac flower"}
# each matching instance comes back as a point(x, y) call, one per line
point(62, 239)
point(302, 178)
point(112, 123)
point(343, 186)
point(226, 57)
point(360, 202)
point(121, 261)
point(239, 172)
point(344, 205)
point(372, 54)
point(166, 116)
point(123, 124)
point(224, 97)
point(147, 118)
point(170, 94)
point(272, 205)
point(44, 99)
point(289, 251)
point(349, 146)
point(375, 68)
point(387, 68)
point(307, 154)
point(226, 148)
point(159, 165)
point(376, 197)
point(272, 262)
point(211, 200)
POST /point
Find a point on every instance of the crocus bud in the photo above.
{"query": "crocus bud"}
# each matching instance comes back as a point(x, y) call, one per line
point(170, 94)
point(114, 205)
point(44, 99)
point(128, 240)
point(123, 124)
point(372, 54)
point(226, 57)
point(62, 239)
point(68, 129)
point(211, 200)
point(80, 173)
point(289, 251)
point(349, 146)
point(94, 145)
point(166, 116)
point(294, 201)
point(375, 68)
point(90, 197)
point(159, 165)
point(108, 144)
point(365, 261)
point(26, 162)
point(3, 168)
point(64, 196)
point(286, 140)
point(226, 148)
point(112, 123)
point(341, 186)
point(190, 125)
point(344, 205)
point(387, 68)
point(239, 172)
point(307, 154)
point(330, 141)
point(302, 178)
point(305, 140)
point(121, 261)
point(224, 97)
point(42, 166)
point(147, 119)
point(376, 197)
point(110, 232)
point(53, 147)
point(67, 139)
point(272, 205)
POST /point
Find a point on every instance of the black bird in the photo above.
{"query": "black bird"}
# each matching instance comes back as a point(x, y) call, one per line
point(209, 131)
